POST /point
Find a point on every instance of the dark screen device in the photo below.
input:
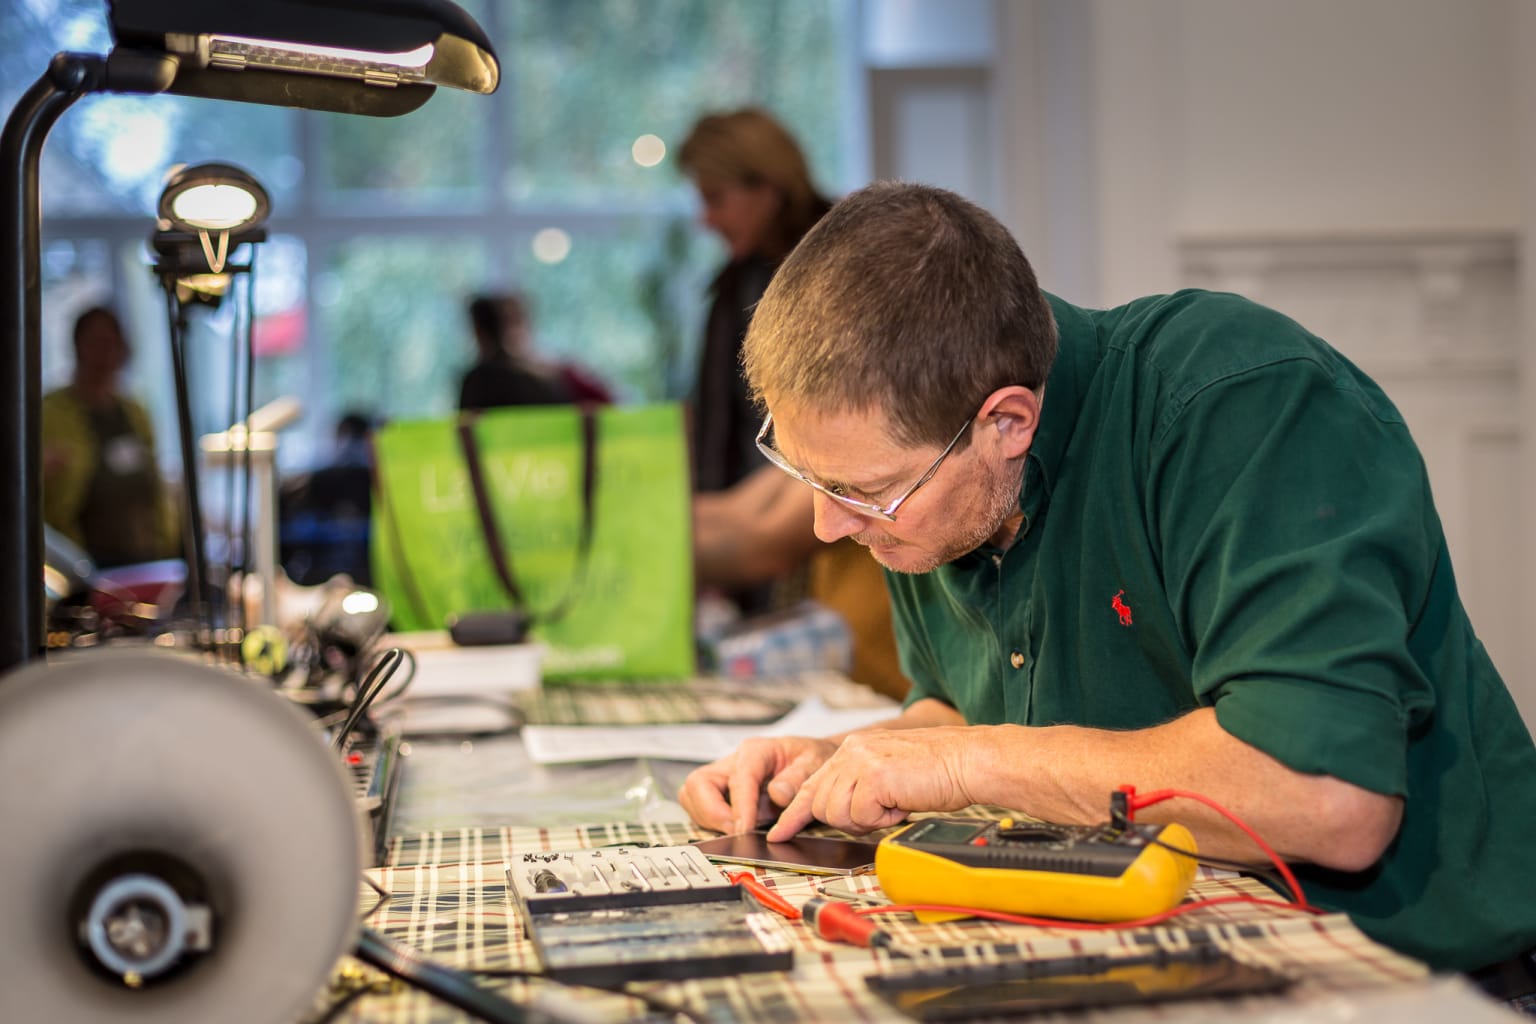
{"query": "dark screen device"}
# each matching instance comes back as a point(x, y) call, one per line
point(478, 629)
point(811, 855)
point(1022, 987)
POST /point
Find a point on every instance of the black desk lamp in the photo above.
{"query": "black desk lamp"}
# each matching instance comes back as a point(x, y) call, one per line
point(206, 212)
point(376, 57)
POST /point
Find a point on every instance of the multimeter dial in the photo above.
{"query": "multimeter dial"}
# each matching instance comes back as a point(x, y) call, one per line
point(1039, 847)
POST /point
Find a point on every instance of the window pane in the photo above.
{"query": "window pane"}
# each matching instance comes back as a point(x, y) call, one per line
point(626, 305)
point(32, 31)
point(588, 79)
point(77, 274)
point(109, 154)
point(112, 153)
point(391, 318)
point(430, 156)
point(281, 347)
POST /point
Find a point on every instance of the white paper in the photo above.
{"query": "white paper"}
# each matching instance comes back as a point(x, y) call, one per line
point(447, 671)
point(559, 744)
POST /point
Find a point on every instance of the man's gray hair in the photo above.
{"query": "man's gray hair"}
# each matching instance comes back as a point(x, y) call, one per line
point(905, 298)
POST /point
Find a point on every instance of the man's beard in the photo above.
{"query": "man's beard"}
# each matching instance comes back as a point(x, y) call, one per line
point(1000, 500)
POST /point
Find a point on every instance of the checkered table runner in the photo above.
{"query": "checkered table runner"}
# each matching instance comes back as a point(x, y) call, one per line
point(449, 898)
point(704, 699)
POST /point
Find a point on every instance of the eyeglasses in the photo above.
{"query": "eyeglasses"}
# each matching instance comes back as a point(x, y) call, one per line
point(887, 511)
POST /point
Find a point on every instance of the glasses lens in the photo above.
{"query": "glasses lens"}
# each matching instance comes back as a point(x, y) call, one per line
point(765, 445)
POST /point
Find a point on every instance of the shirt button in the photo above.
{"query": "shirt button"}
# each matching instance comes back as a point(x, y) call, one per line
point(1016, 659)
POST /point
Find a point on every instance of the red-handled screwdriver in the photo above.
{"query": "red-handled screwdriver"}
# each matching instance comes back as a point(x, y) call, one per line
point(837, 922)
point(764, 895)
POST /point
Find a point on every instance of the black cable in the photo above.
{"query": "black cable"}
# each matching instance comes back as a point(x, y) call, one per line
point(453, 987)
point(237, 526)
point(231, 493)
point(192, 523)
point(372, 685)
point(367, 691)
point(653, 1003)
point(338, 1006)
point(380, 700)
point(269, 586)
point(384, 896)
point(410, 675)
point(1270, 878)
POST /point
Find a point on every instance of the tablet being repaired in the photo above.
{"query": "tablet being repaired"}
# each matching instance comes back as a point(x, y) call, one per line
point(811, 855)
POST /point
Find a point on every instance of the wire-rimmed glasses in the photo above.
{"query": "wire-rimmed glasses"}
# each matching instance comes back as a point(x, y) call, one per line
point(887, 511)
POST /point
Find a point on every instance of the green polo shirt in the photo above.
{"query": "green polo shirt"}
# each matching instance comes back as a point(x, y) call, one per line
point(1220, 510)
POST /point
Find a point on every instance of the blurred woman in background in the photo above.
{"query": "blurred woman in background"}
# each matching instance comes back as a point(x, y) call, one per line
point(753, 529)
point(757, 195)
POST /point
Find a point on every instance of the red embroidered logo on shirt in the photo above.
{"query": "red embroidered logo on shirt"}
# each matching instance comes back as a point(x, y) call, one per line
point(1121, 609)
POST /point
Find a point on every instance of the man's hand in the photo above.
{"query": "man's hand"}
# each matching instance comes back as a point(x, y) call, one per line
point(876, 777)
point(749, 786)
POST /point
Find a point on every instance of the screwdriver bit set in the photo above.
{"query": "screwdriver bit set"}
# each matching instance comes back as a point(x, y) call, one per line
point(627, 913)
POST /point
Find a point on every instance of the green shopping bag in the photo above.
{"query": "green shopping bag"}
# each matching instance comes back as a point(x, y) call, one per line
point(592, 515)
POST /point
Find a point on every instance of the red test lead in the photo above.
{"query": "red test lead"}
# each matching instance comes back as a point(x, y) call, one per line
point(838, 922)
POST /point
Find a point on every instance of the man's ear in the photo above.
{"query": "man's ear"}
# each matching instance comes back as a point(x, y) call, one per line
point(1013, 413)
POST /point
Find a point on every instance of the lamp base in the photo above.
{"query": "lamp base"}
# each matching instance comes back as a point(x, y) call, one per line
point(182, 846)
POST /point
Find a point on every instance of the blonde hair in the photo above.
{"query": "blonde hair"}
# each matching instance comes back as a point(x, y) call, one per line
point(749, 147)
point(907, 299)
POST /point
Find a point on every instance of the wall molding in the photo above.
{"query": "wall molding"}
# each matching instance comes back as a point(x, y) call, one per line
point(1432, 302)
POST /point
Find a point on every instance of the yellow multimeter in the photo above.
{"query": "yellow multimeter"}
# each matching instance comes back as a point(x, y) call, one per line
point(1085, 873)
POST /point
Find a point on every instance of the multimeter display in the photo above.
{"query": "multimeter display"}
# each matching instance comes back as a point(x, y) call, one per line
point(1099, 873)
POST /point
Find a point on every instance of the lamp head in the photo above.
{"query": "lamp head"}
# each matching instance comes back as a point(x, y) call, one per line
point(206, 211)
point(380, 57)
point(212, 197)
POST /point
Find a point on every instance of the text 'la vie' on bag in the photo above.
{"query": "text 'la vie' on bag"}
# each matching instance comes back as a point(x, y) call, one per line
point(579, 519)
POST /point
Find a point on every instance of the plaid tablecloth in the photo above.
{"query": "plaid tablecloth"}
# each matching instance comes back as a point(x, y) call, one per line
point(449, 898)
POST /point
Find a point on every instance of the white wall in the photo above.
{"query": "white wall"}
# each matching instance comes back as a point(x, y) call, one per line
point(1346, 115)
point(1364, 165)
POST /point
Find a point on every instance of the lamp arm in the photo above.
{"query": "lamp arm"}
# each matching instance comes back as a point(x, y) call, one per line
point(69, 76)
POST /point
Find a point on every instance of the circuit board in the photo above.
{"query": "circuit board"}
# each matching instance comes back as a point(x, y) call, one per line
point(626, 913)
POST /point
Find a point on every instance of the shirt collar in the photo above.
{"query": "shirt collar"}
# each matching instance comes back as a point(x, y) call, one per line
point(1077, 356)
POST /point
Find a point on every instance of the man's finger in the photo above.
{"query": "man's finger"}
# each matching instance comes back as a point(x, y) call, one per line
point(795, 817)
point(745, 792)
point(706, 804)
point(783, 786)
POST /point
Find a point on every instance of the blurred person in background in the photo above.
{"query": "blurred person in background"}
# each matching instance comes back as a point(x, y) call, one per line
point(507, 371)
point(325, 513)
point(101, 484)
point(753, 537)
point(757, 195)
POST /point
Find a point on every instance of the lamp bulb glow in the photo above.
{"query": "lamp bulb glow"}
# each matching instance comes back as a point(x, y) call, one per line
point(214, 207)
point(360, 602)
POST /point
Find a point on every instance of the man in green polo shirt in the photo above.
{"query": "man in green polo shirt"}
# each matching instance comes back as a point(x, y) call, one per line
point(1182, 543)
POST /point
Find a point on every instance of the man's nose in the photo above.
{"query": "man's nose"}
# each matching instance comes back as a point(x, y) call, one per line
point(834, 520)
